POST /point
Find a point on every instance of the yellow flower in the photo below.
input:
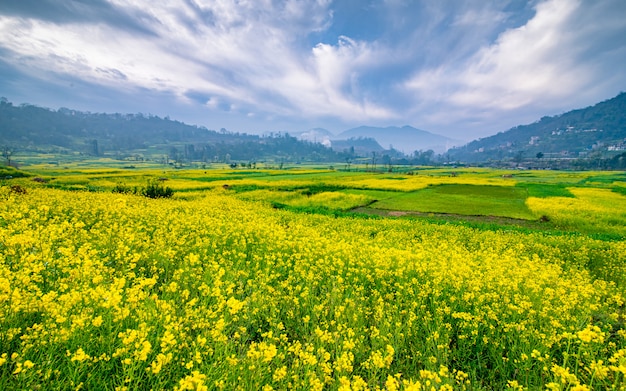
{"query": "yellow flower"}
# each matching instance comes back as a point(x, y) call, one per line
point(97, 321)
point(591, 334)
point(263, 351)
point(195, 381)
point(234, 305)
point(392, 383)
point(80, 355)
point(280, 373)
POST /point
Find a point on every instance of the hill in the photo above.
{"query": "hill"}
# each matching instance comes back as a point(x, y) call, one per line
point(359, 146)
point(355, 146)
point(598, 129)
point(406, 139)
point(31, 128)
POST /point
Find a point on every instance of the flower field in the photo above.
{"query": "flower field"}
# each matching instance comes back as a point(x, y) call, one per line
point(212, 289)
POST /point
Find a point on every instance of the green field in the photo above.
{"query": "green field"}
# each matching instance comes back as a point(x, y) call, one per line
point(503, 201)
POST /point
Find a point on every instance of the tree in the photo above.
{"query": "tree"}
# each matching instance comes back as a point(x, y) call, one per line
point(95, 149)
point(173, 154)
point(157, 190)
point(6, 154)
point(539, 155)
point(386, 160)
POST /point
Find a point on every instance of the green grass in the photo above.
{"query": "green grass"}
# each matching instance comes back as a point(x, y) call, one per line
point(605, 178)
point(473, 200)
point(10, 172)
point(619, 190)
point(545, 190)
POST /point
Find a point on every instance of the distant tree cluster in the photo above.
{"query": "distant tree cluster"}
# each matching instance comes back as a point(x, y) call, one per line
point(617, 162)
point(253, 148)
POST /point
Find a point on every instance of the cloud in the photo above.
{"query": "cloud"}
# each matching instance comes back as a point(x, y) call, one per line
point(339, 69)
point(245, 54)
point(542, 63)
point(76, 12)
point(436, 65)
point(526, 61)
point(479, 17)
point(112, 73)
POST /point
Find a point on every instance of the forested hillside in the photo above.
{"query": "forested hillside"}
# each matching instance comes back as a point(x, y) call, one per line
point(28, 127)
point(599, 129)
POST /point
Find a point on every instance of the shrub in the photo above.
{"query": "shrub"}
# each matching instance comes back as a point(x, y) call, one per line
point(17, 189)
point(123, 189)
point(157, 190)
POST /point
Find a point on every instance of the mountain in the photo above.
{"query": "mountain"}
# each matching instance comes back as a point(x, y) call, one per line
point(406, 139)
point(35, 129)
point(598, 129)
point(357, 146)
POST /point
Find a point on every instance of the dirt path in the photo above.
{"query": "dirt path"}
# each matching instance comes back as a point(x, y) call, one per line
point(455, 217)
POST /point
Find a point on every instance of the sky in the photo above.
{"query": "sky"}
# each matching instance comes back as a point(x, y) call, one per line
point(462, 69)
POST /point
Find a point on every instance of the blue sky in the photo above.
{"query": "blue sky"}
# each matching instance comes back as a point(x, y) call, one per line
point(463, 69)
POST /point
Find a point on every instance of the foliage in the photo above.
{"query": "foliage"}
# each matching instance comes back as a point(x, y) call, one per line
point(619, 190)
point(591, 210)
point(155, 189)
point(123, 189)
point(11, 172)
point(322, 201)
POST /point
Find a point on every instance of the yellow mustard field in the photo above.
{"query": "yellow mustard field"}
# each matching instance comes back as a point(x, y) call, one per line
point(212, 292)
point(595, 209)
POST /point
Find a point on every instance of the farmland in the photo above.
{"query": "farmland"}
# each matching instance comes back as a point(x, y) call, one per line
point(312, 278)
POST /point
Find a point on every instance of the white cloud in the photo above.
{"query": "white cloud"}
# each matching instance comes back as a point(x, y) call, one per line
point(434, 64)
point(525, 62)
point(522, 59)
point(225, 48)
point(479, 17)
point(82, 51)
point(541, 64)
point(338, 68)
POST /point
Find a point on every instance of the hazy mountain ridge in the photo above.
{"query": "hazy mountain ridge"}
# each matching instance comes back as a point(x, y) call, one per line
point(406, 139)
point(577, 133)
point(36, 129)
point(354, 146)
point(31, 125)
point(33, 128)
point(363, 146)
point(592, 133)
